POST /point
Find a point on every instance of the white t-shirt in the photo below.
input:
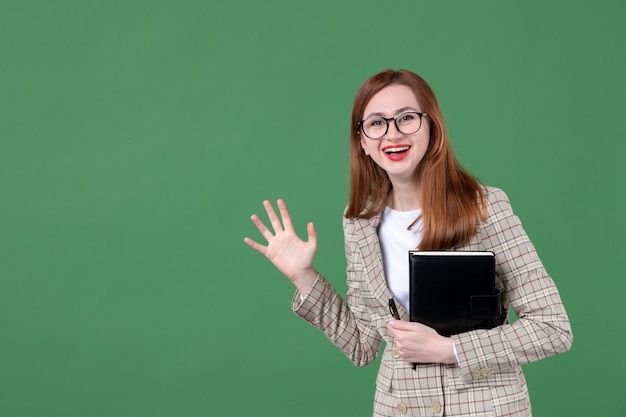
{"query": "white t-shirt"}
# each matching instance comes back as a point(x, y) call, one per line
point(396, 240)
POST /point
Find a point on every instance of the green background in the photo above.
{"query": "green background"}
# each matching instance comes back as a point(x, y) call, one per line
point(137, 137)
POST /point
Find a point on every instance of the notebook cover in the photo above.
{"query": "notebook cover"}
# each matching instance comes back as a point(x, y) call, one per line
point(453, 292)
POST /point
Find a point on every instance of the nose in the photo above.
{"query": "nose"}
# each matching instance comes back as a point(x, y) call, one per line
point(392, 131)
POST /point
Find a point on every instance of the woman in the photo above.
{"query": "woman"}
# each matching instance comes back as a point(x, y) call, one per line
point(408, 191)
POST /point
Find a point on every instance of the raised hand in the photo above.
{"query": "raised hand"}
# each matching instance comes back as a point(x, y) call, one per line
point(289, 254)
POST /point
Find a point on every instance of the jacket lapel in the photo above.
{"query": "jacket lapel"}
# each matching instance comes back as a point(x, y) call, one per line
point(372, 256)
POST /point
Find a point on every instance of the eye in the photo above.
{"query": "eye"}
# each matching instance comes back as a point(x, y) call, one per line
point(407, 117)
point(373, 123)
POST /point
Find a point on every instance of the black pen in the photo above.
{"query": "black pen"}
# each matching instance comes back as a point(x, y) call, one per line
point(393, 309)
point(394, 313)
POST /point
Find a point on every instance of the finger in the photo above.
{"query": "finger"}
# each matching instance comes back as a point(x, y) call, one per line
point(284, 214)
point(312, 234)
point(401, 325)
point(271, 214)
point(267, 234)
point(256, 246)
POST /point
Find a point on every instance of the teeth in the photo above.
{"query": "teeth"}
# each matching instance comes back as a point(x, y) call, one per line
point(396, 150)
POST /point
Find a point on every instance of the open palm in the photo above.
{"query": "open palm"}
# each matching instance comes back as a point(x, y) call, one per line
point(290, 255)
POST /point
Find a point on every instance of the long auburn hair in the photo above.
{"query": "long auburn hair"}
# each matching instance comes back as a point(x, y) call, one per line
point(452, 201)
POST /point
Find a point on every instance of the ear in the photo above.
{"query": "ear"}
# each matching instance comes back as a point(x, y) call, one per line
point(364, 146)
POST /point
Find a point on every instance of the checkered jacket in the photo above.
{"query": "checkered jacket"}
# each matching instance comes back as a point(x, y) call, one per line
point(488, 380)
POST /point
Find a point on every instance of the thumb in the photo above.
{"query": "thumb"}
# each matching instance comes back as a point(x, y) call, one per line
point(310, 228)
point(401, 325)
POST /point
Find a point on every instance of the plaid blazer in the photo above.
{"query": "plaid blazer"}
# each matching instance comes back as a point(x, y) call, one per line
point(488, 380)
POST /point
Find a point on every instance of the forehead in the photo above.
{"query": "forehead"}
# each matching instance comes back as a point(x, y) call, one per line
point(391, 99)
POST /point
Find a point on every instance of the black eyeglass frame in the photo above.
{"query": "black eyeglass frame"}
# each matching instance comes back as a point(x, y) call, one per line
point(359, 125)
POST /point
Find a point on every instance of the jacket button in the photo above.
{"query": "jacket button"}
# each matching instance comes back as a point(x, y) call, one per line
point(402, 408)
point(436, 406)
point(395, 354)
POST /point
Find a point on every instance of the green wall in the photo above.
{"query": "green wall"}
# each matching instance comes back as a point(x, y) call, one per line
point(137, 137)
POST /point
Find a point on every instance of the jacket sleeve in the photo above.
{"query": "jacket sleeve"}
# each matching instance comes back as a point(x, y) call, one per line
point(543, 328)
point(347, 325)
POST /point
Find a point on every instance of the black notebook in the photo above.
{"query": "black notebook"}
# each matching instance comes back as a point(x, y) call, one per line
point(453, 292)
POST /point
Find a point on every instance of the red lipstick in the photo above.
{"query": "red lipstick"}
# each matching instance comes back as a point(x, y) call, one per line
point(396, 152)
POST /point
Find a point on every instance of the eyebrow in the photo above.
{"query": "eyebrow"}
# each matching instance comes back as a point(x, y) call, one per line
point(403, 109)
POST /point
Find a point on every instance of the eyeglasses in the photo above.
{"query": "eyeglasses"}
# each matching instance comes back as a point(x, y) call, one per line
point(376, 127)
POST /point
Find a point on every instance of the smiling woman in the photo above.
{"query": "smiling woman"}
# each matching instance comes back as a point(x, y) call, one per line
point(408, 191)
point(431, 179)
point(399, 149)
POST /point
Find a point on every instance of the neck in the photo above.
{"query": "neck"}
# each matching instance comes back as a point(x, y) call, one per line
point(404, 197)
